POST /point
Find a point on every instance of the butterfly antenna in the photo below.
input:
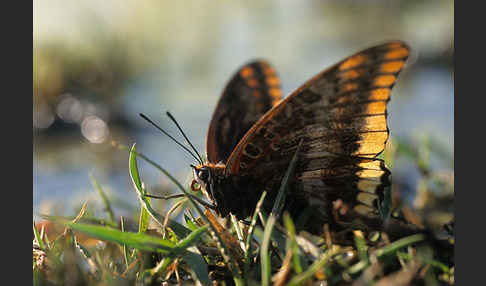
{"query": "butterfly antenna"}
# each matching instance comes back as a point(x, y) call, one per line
point(173, 139)
point(183, 134)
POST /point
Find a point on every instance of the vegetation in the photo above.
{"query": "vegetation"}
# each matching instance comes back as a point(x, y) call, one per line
point(161, 250)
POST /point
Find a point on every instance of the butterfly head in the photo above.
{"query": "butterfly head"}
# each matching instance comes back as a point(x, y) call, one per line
point(205, 178)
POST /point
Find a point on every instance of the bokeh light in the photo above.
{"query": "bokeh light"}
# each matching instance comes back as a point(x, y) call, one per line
point(94, 129)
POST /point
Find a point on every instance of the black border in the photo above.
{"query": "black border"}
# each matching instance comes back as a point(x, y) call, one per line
point(468, 131)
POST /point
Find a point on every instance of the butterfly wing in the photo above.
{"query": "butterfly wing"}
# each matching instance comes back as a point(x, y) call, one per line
point(340, 115)
point(252, 91)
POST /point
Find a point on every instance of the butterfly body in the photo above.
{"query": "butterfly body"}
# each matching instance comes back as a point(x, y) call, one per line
point(340, 117)
point(219, 187)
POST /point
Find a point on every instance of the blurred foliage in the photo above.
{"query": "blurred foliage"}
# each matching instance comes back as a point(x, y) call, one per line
point(99, 51)
point(93, 51)
point(59, 69)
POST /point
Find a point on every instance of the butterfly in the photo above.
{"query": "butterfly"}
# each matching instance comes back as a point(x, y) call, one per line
point(340, 118)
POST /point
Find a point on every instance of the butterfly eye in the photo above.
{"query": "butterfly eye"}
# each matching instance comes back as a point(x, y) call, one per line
point(203, 175)
point(195, 187)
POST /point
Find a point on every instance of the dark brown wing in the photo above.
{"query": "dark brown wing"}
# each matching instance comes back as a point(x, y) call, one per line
point(340, 114)
point(252, 91)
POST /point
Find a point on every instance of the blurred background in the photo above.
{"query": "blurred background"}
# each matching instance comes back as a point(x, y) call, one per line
point(97, 64)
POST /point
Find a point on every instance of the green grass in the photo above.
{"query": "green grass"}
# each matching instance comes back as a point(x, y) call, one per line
point(157, 248)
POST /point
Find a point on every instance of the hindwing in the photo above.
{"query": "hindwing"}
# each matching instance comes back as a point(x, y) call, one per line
point(250, 93)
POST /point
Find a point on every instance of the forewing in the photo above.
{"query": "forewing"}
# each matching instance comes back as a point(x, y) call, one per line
point(340, 114)
point(252, 91)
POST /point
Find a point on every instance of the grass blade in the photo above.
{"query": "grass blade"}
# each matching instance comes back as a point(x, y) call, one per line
point(140, 241)
point(439, 265)
point(317, 265)
point(178, 228)
point(361, 246)
point(143, 221)
point(197, 266)
point(104, 198)
point(277, 208)
point(157, 166)
point(159, 268)
point(191, 238)
point(264, 253)
point(189, 222)
point(239, 233)
point(280, 200)
point(185, 249)
point(39, 239)
point(396, 245)
point(294, 246)
point(135, 240)
point(125, 251)
point(250, 232)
